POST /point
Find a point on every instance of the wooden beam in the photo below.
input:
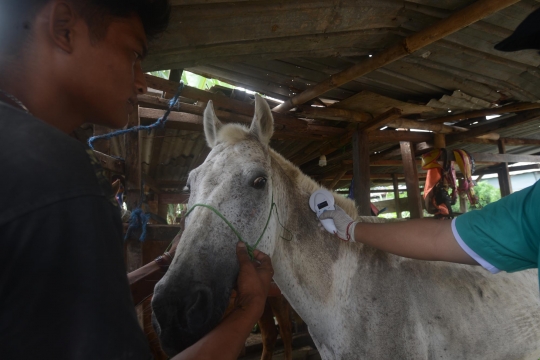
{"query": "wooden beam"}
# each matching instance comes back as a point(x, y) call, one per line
point(385, 162)
point(457, 21)
point(492, 126)
point(439, 141)
point(505, 158)
point(495, 169)
point(110, 163)
point(480, 113)
point(507, 141)
point(382, 120)
point(330, 113)
point(424, 125)
point(396, 196)
point(372, 176)
point(191, 122)
point(173, 198)
point(518, 141)
point(411, 179)
point(239, 107)
point(389, 136)
point(356, 116)
point(361, 172)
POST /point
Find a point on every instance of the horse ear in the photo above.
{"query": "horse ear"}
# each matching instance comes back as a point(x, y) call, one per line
point(262, 125)
point(211, 125)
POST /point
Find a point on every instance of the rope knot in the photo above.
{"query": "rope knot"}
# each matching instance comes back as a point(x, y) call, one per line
point(138, 221)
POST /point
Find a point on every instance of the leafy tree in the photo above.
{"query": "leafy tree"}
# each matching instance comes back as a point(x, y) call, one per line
point(486, 193)
point(193, 80)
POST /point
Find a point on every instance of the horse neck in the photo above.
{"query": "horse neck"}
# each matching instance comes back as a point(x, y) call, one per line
point(310, 267)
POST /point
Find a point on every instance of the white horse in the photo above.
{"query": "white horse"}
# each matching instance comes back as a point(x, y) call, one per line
point(359, 303)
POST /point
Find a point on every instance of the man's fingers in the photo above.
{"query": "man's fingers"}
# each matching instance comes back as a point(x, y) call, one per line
point(262, 258)
point(242, 253)
point(265, 263)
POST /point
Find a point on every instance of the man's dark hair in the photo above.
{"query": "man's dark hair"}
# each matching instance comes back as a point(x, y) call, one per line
point(17, 16)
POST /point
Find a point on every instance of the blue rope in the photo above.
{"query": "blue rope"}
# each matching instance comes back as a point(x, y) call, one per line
point(138, 220)
point(160, 123)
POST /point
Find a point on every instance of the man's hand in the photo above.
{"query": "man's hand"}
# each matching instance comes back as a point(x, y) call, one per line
point(253, 281)
point(344, 223)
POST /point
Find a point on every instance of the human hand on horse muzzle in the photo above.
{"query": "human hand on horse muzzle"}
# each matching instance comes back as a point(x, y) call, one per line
point(253, 281)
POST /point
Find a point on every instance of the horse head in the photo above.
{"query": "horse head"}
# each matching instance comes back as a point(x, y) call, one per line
point(235, 181)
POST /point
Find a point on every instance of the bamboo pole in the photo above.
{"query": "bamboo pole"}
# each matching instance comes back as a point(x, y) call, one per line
point(410, 44)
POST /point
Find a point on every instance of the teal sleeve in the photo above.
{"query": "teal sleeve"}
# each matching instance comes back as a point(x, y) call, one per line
point(505, 233)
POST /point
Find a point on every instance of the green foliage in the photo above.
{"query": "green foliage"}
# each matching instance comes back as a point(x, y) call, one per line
point(174, 211)
point(193, 80)
point(486, 195)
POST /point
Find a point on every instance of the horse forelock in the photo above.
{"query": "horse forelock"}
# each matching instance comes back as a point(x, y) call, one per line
point(233, 133)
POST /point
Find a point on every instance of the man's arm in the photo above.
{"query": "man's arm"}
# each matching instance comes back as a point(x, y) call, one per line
point(422, 239)
point(228, 338)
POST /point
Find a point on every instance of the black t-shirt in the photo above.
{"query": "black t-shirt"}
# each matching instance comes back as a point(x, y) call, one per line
point(63, 287)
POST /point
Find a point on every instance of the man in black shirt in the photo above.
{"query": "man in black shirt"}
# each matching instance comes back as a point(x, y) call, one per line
point(63, 287)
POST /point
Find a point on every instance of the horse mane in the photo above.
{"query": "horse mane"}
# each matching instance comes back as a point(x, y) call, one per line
point(306, 183)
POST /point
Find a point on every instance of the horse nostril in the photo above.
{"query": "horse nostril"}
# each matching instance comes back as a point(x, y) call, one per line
point(198, 310)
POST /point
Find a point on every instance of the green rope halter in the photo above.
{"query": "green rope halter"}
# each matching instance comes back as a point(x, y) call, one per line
point(250, 248)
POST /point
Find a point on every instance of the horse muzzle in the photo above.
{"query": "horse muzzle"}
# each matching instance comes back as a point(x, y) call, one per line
point(183, 318)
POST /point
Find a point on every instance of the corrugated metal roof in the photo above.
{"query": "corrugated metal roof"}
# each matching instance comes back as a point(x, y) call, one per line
point(280, 48)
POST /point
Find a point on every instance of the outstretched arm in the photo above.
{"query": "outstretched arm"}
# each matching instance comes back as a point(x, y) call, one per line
point(422, 239)
point(228, 338)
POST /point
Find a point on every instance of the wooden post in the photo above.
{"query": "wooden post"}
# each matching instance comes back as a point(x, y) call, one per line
point(505, 183)
point(462, 205)
point(396, 195)
point(133, 248)
point(439, 141)
point(455, 22)
point(361, 174)
point(411, 179)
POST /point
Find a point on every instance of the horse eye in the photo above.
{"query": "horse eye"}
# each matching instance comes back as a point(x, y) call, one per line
point(259, 182)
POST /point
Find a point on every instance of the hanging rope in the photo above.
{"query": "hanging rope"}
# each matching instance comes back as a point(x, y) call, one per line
point(139, 219)
point(160, 123)
point(250, 248)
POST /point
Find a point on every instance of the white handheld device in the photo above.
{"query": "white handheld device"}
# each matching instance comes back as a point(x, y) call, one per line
point(320, 201)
